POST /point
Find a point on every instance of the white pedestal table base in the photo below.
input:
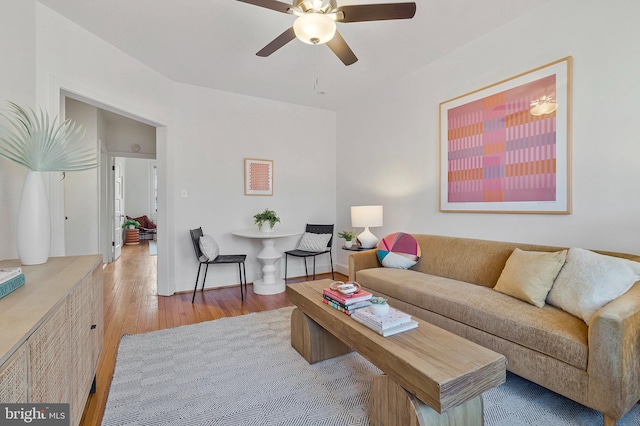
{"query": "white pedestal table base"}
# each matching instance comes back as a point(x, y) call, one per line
point(269, 257)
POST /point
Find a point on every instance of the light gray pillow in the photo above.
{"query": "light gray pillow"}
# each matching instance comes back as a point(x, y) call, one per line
point(209, 247)
point(314, 242)
point(589, 280)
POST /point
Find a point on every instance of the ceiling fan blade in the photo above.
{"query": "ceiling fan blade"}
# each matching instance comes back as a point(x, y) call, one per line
point(342, 49)
point(277, 43)
point(377, 12)
point(269, 4)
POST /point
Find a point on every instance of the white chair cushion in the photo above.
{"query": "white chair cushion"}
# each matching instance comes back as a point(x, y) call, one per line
point(314, 242)
point(209, 247)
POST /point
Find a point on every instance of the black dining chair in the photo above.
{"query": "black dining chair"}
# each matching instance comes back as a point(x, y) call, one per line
point(220, 259)
point(312, 229)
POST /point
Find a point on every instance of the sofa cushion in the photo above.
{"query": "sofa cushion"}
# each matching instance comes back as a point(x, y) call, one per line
point(589, 280)
point(548, 330)
point(529, 275)
point(398, 250)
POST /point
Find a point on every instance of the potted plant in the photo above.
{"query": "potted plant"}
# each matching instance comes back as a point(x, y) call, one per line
point(130, 224)
point(348, 237)
point(261, 219)
point(379, 306)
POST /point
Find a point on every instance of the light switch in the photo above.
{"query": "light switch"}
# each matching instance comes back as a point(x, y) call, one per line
point(184, 193)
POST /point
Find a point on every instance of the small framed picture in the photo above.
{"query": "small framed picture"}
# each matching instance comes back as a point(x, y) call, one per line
point(258, 177)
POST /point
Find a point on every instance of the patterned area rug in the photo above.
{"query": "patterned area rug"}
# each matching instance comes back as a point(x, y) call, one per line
point(243, 371)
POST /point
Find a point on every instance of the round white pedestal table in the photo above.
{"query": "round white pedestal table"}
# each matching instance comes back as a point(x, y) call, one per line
point(269, 256)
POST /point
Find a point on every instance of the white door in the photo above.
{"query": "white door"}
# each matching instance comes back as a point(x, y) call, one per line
point(118, 203)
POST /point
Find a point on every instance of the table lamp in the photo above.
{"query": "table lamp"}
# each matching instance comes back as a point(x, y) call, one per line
point(366, 216)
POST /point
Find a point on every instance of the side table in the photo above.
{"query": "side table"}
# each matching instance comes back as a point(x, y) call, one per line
point(357, 248)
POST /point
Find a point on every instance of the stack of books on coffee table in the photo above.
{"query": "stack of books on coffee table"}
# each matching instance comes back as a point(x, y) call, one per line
point(392, 323)
point(346, 303)
point(10, 280)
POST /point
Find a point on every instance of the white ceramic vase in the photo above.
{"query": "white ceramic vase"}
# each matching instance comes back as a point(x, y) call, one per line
point(265, 227)
point(34, 223)
point(379, 309)
point(348, 244)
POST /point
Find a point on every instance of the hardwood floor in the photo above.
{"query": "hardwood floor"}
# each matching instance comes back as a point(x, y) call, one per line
point(131, 306)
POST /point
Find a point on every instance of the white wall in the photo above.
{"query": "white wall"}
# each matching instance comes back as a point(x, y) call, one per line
point(206, 135)
point(123, 134)
point(386, 146)
point(17, 83)
point(137, 187)
point(70, 59)
point(214, 131)
point(393, 135)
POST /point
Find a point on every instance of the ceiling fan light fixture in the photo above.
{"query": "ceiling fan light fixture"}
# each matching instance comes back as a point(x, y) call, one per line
point(314, 28)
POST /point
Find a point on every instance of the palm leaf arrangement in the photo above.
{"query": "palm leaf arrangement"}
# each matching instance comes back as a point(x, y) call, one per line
point(44, 145)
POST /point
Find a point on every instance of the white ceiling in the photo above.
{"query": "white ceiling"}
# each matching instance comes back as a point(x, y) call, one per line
point(212, 43)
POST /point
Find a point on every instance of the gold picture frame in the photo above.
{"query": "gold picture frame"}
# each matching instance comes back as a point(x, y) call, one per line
point(506, 148)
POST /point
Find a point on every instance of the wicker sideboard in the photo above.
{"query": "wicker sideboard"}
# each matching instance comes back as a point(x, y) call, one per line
point(51, 333)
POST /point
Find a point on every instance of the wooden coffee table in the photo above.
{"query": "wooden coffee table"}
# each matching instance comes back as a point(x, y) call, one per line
point(431, 376)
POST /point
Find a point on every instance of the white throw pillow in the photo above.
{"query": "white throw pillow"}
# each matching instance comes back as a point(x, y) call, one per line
point(589, 280)
point(209, 247)
point(529, 275)
point(314, 242)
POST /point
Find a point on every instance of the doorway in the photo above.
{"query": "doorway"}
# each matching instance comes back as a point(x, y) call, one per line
point(95, 201)
point(135, 196)
point(60, 91)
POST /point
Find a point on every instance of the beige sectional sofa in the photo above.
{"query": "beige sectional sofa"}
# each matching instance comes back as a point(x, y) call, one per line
point(451, 286)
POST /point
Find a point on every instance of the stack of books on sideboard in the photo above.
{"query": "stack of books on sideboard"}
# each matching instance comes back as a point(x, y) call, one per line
point(346, 303)
point(10, 279)
point(386, 325)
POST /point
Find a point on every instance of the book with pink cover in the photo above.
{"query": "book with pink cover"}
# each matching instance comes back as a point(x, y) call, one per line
point(352, 306)
point(348, 300)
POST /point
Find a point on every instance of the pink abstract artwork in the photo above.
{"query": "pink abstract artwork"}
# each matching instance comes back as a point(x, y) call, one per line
point(260, 177)
point(497, 151)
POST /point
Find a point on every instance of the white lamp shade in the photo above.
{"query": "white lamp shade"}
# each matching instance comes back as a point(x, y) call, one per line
point(314, 28)
point(366, 216)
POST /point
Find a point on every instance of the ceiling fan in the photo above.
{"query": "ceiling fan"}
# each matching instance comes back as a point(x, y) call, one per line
point(316, 22)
